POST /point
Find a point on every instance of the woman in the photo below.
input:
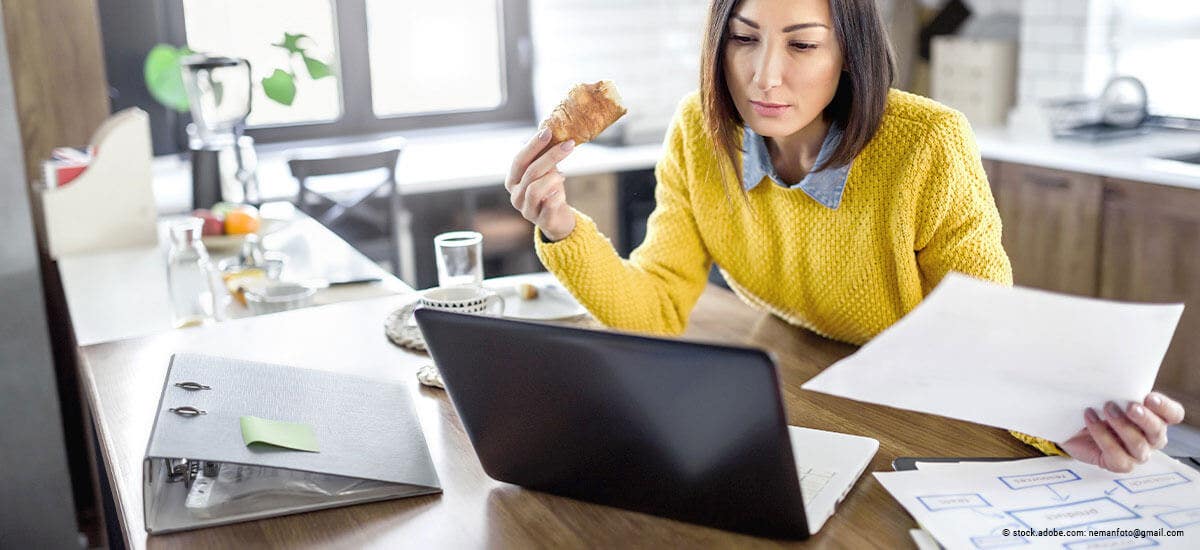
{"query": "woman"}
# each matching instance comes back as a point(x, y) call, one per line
point(827, 199)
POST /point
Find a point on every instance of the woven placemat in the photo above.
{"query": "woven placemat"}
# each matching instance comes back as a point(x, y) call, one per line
point(403, 333)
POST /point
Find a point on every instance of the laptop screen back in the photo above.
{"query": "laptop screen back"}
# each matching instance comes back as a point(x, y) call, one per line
point(690, 431)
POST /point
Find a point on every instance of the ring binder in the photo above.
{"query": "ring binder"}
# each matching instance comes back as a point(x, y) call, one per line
point(192, 386)
point(372, 447)
point(187, 411)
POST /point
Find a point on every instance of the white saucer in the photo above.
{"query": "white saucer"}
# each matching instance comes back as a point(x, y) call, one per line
point(552, 302)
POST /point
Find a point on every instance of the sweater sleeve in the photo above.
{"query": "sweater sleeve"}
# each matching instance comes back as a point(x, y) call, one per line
point(654, 290)
point(958, 226)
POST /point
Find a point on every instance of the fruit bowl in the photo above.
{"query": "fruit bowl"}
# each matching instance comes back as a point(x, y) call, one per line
point(232, 243)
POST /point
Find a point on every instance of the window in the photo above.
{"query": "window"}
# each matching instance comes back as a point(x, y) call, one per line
point(465, 73)
point(1150, 40)
point(399, 64)
point(248, 29)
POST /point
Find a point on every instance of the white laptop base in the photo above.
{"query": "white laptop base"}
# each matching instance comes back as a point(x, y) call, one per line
point(828, 464)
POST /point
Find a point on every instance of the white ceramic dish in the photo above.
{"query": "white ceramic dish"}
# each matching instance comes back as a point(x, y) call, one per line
point(552, 302)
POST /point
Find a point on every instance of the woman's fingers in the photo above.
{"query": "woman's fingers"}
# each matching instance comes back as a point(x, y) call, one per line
point(550, 205)
point(1166, 408)
point(548, 162)
point(1112, 454)
point(525, 156)
point(1130, 434)
point(1154, 428)
point(537, 191)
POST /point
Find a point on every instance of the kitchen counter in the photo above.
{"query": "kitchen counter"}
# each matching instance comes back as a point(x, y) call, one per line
point(429, 162)
point(461, 160)
point(1136, 158)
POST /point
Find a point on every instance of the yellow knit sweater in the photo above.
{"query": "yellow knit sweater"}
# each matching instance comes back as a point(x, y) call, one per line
point(916, 206)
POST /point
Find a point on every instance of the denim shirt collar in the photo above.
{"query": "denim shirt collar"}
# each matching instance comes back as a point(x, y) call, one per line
point(825, 186)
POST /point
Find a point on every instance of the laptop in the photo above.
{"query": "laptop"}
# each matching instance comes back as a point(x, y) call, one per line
point(690, 431)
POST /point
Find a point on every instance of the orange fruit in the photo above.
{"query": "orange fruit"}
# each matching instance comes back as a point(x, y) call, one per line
point(240, 222)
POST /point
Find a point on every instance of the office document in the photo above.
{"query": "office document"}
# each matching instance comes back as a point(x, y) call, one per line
point(1052, 502)
point(1010, 357)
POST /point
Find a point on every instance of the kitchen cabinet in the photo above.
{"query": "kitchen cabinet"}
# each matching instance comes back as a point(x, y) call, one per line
point(1051, 223)
point(1151, 253)
point(596, 196)
point(992, 169)
point(1123, 240)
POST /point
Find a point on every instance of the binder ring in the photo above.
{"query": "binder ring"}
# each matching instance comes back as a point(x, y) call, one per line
point(192, 386)
point(187, 411)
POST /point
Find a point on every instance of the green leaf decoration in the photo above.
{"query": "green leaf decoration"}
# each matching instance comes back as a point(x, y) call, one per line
point(280, 87)
point(291, 43)
point(316, 68)
point(164, 76)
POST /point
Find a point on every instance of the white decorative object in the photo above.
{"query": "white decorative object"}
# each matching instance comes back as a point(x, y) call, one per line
point(975, 76)
point(402, 331)
point(429, 375)
point(111, 204)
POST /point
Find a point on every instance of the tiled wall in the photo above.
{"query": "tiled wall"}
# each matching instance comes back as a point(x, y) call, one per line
point(1064, 48)
point(649, 48)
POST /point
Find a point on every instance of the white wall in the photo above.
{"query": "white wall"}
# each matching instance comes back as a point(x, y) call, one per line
point(1072, 47)
point(649, 48)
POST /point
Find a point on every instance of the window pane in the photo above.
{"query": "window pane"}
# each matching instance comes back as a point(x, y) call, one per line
point(434, 56)
point(1152, 39)
point(243, 28)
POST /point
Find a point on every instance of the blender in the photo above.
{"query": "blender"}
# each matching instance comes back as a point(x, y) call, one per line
point(224, 164)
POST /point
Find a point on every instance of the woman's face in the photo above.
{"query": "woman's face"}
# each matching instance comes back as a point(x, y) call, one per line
point(782, 63)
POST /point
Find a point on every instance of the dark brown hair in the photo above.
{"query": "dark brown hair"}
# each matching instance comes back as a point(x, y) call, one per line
point(857, 105)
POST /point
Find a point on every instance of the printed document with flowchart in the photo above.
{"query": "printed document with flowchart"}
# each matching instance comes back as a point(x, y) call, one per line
point(1052, 502)
point(1014, 358)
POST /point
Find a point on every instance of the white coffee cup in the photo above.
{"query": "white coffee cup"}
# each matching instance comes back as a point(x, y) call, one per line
point(458, 299)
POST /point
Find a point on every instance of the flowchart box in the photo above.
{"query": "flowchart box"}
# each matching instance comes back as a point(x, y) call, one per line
point(1111, 543)
point(935, 503)
point(1153, 482)
point(1040, 479)
point(998, 541)
point(1073, 514)
point(1180, 518)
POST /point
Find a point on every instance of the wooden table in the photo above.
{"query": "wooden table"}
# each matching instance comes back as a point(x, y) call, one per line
point(123, 380)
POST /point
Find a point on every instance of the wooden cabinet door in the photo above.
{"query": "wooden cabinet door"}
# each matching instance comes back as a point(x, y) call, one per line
point(1051, 225)
point(992, 169)
point(596, 196)
point(1151, 253)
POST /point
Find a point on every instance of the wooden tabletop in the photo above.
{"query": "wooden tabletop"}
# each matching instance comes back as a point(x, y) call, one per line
point(123, 381)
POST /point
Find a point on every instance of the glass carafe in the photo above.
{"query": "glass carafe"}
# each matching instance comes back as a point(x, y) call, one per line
point(188, 276)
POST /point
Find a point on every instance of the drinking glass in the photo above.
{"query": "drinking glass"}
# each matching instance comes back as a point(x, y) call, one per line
point(459, 258)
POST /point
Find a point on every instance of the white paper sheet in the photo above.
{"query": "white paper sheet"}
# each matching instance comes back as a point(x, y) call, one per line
point(972, 504)
point(1014, 358)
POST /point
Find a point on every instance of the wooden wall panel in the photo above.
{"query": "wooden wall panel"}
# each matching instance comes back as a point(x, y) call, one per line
point(58, 74)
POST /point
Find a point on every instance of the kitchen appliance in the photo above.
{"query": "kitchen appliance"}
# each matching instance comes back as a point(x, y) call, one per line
point(224, 163)
point(1120, 111)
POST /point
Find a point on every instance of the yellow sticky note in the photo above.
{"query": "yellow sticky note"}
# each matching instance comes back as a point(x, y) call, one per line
point(280, 434)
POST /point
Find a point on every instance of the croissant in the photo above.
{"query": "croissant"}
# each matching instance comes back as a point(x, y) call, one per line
point(587, 111)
